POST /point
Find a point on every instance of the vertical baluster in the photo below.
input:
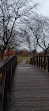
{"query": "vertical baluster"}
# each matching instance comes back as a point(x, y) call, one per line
point(6, 80)
point(1, 91)
point(37, 60)
point(16, 61)
point(48, 63)
point(5, 90)
point(31, 61)
point(41, 61)
point(9, 75)
point(44, 62)
point(11, 71)
point(34, 60)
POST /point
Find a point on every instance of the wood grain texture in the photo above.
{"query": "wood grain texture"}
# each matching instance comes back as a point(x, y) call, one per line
point(30, 89)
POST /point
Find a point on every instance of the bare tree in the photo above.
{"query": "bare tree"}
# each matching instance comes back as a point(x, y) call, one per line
point(40, 28)
point(41, 33)
point(10, 12)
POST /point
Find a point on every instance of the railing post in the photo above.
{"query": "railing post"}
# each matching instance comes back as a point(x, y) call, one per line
point(44, 62)
point(37, 60)
point(11, 71)
point(9, 76)
point(48, 63)
point(5, 91)
point(16, 61)
point(31, 61)
point(7, 68)
point(34, 60)
point(1, 90)
point(41, 61)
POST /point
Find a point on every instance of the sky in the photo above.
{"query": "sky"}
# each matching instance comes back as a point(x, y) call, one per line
point(43, 7)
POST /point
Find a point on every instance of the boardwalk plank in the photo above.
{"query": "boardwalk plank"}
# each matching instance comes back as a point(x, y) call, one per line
point(30, 89)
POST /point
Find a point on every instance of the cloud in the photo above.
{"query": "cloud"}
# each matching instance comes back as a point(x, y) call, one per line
point(43, 8)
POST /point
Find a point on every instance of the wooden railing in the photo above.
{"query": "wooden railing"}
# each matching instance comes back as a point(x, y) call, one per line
point(7, 68)
point(41, 61)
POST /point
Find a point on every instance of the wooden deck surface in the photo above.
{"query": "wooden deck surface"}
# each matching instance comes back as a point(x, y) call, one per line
point(30, 89)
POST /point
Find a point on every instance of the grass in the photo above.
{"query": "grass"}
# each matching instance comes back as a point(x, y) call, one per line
point(21, 58)
point(5, 57)
point(28, 61)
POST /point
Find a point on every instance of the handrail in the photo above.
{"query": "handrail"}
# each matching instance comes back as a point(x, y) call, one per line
point(7, 68)
point(4, 62)
point(41, 61)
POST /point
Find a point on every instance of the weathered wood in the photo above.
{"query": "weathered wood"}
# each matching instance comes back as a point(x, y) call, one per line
point(44, 62)
point(30, 89)
point(48, 63)
point(7, 68)
point(41, 61)
point(37, 60)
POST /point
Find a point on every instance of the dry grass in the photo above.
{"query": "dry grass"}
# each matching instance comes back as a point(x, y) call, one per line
point(21, 58)
point(5, 57)
point(28, 61)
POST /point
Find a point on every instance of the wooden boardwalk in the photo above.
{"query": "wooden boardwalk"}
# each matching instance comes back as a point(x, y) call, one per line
point(30, 89)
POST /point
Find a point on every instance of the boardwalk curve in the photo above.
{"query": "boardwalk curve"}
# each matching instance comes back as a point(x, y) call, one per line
point(30, 89)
